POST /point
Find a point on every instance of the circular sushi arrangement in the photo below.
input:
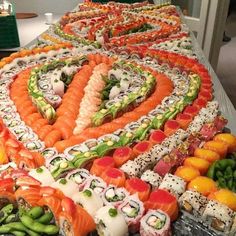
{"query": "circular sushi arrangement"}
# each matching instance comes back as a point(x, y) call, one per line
point(109, 127)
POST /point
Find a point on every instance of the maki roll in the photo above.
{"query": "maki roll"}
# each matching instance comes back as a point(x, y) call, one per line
point(170, 127)
point(218, 216)
point(133, 210)
point(114, 176)
point(136, 185)
point(89, 200)
point(233, 228)
point(155, 223)
point(71, 152)
point(141, 147)
point(157, 136)
point(101, 164)
point(43, 175)
point(173, 184)
point(110, 222)
point(193, 203)
point(131, 168)
point(114, 196)
point(95, 183)
point(49, 152)
point(79, 176)
point(184, 120)
point(152, 178)
point(121, 155)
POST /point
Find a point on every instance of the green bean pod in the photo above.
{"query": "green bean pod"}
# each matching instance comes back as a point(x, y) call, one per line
point(212, 171)
point(46, 218)
point(223, 164)
point(36, 212)
point(38, 227)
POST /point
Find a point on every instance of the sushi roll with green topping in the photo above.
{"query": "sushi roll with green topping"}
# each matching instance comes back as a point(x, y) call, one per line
point(110, 222)
point(218, 216)
point(133, 210)
point(155, 223)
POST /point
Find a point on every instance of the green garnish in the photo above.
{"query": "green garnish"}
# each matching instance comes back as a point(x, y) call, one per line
point(87, 193)
point(63, 181)
point(39, 170)
point(112, 212)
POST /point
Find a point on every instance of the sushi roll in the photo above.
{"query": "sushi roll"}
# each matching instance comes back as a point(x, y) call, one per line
point(71, 152)
point(78, 176)
point(131, 168)
point(49, 153)
point(233, 227)
point(144, 161)
point(114, 196)
point(157, 136)
point(43, 175)
point(141, 148)
point(114, 176)
point(121, 155)
point(133, 210)
point(193, 203)
point(155, 223)
point(34, 145)
point(110, 222)
point(101, 164)
point(152, 178)
point(67, 186)
point(170, 127)
point(158, 151)
point(89, 200)
point(97, 184)
point(218, 216)
point(173, 184)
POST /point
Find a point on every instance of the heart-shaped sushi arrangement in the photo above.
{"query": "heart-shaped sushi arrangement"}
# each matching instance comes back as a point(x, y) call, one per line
point(111, 128)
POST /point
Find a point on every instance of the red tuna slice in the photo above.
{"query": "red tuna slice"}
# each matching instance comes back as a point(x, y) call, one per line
point(136, 185)
point(205, 95)
point(157, 137)
point(163, 167)
point(170, 127)
point(200, 103)
point(101, 164)
point(165, 201)
point(114, 176)
point(122, 155)
point(141, 147)
point(191, 110)
point(183, 120)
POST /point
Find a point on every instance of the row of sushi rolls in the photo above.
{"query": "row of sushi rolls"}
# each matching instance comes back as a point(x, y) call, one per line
point(109, 127)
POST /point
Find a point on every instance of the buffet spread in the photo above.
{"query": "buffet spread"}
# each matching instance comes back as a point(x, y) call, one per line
point(110, 127)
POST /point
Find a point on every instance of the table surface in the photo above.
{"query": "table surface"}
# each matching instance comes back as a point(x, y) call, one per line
point(30, 29)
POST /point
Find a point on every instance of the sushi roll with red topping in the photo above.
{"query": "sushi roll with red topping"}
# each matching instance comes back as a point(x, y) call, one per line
point(114, 196)
point(191, 110)
point(155, 223)
point(157, 136)
point(101, 164)
point(173, 184)
point(218, 216)
point(170, 127)
point(114, 176)
point(141, 147)
point(110, 222)
point(136, 185)
point(184, 120)
point(122, 155)
point(133, 210)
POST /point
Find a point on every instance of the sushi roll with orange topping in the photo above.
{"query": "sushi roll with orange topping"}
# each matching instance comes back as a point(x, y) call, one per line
point(229, 139)
point(217, 146)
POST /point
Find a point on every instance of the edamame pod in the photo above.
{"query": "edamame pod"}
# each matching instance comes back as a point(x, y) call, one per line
point(18, 233)
point(212, 170)
point(18, 226)
point(38, 227)
point(11, 218)
point(46, 218)
point(5, 211)
point(223, 164)
point(36, 212)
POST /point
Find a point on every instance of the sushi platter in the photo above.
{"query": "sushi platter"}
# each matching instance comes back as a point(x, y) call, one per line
point(109, 126)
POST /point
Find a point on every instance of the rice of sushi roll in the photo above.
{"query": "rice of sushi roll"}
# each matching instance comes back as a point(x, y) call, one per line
point(233, 227)
point(158, 152)
point(49, 153)
point(144, 162)
point(110, 222)
point(155, 223)
point(173, 184)
point(34, 145)
point(114, 196)
point(71, 152)
point(133, 210)
point(89, 200)
point(79, 176)
point(97, 184)
point(218, 216)
point(131, 168)
point(152, 178)
point(193, 203)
